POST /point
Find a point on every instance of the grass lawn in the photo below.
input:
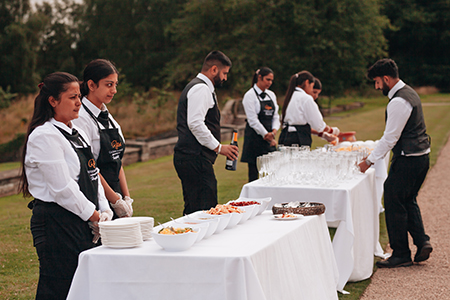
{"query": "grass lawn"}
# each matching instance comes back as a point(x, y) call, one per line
point(157, 192)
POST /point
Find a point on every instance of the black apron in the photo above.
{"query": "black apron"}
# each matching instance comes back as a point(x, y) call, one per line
point(301, 137)
point(254, 144)
point(112, 148)
point(58, 234)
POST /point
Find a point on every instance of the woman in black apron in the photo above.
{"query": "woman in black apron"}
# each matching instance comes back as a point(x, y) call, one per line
point(59, 172)
point(100, 80)
point(261, 108)
point(300, 114)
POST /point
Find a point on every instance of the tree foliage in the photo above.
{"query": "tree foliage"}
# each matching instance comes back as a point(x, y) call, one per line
point(420, 39)
point(160, 42)
point(334, 39)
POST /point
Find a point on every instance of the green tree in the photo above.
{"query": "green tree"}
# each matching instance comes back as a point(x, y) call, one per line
point(335, 40)
point(19, 38)
point(131, 33)
point(420, 39)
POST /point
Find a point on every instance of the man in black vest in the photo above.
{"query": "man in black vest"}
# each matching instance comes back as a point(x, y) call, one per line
point(198, 126)
point(405, 134)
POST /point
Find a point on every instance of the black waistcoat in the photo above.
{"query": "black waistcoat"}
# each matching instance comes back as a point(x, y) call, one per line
point(413, 138)
point(187, 143)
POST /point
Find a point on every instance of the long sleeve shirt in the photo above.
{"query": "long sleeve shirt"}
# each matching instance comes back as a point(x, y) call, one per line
point(52, 168)
point(302, 110)
point(199, 101)
point(398, 111)
point(252, 107)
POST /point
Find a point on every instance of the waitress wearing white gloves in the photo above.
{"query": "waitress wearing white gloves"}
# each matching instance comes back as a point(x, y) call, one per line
point(300, 114)
point(58, 170)
point(263, 121)
point(100, 79)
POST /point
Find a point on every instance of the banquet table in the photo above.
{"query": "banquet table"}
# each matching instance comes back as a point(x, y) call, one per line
point(263, 258)
point(352, 205)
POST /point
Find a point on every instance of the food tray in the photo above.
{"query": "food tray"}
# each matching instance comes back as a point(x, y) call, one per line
point(314, 209)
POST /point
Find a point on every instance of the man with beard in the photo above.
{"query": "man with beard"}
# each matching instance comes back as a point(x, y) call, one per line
point(405, 134)
point(198, 126)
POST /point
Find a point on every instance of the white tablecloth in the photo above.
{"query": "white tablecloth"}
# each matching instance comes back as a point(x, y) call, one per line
point(352, 204)
point(261, 259)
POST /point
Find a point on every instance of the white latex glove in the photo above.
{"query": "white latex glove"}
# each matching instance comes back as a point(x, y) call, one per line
point(121, 207)
point(95, 231)
point(335, 131)
point(128, 201)
point(329, 138)
point(106, 215)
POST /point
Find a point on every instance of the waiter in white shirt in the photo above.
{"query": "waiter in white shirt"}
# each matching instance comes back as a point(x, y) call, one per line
point(261, 108)
point(198, 126)
point(59, 172)
point(405, 134)
point(300, 114)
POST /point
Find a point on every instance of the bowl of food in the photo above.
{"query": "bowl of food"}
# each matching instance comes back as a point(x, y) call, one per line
point(223, 220)
point(236, 217)
point(250, 208)
point(264, 203)
point(202, 227)
point(175, 238)
point(212, 222)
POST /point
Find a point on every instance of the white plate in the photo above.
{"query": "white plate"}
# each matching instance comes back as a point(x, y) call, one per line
point(294, 217)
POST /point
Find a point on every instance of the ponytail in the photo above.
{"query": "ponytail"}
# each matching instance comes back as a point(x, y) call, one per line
point(297, 79)
point(52, 86)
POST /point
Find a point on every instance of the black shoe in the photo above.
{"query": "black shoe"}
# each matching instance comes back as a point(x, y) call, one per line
point(423, 252)
point(394, 262)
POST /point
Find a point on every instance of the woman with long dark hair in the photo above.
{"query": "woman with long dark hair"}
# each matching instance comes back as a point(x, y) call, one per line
point(261, 108)
point(59, 172)
point(100, 80)
point(300, 114)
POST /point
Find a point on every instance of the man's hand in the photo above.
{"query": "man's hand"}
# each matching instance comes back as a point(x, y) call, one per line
point(230, 151)
point(363, 166)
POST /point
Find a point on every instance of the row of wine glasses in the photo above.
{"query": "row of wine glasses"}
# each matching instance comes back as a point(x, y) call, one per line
point(326, 166)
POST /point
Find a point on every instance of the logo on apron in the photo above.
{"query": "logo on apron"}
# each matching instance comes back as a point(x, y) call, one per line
point(115, 144)
point(91, 163)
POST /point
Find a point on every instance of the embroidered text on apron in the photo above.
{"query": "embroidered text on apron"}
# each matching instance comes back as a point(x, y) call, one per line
point(112, 148)
point(254, 144)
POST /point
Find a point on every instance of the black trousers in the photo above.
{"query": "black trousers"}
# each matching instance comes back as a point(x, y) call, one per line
point(406, 175)
point(59, 237)
point(253, 173)
point(198, 181)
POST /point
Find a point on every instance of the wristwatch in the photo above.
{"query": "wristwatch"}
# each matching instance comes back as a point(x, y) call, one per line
point(368, 162)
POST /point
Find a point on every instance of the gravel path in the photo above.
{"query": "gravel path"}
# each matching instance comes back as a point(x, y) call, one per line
point(429, 279)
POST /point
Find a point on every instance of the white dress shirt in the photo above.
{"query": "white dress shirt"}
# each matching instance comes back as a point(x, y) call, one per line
point(302, 110)
point(398, 111)
point(52, 168)
point(88, 125)
point(252, 108)
point(199, 101)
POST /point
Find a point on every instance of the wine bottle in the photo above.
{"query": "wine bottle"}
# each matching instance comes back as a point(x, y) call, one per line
point(232, 164)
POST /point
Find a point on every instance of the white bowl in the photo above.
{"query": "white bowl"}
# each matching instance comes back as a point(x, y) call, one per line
point(223, 220)
point(234, 220)
point(176, 242)
point(213, 222)
point(248, 211)
point(201, 227)
point(264, 203)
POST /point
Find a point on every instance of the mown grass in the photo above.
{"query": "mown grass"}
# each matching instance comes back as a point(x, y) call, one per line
point(157, 192)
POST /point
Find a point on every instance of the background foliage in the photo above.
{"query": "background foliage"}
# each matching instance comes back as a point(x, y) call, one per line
point(159, 42)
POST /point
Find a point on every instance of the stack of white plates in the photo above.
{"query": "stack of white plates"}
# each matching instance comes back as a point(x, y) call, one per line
point(123, 234)
point(146, 226)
